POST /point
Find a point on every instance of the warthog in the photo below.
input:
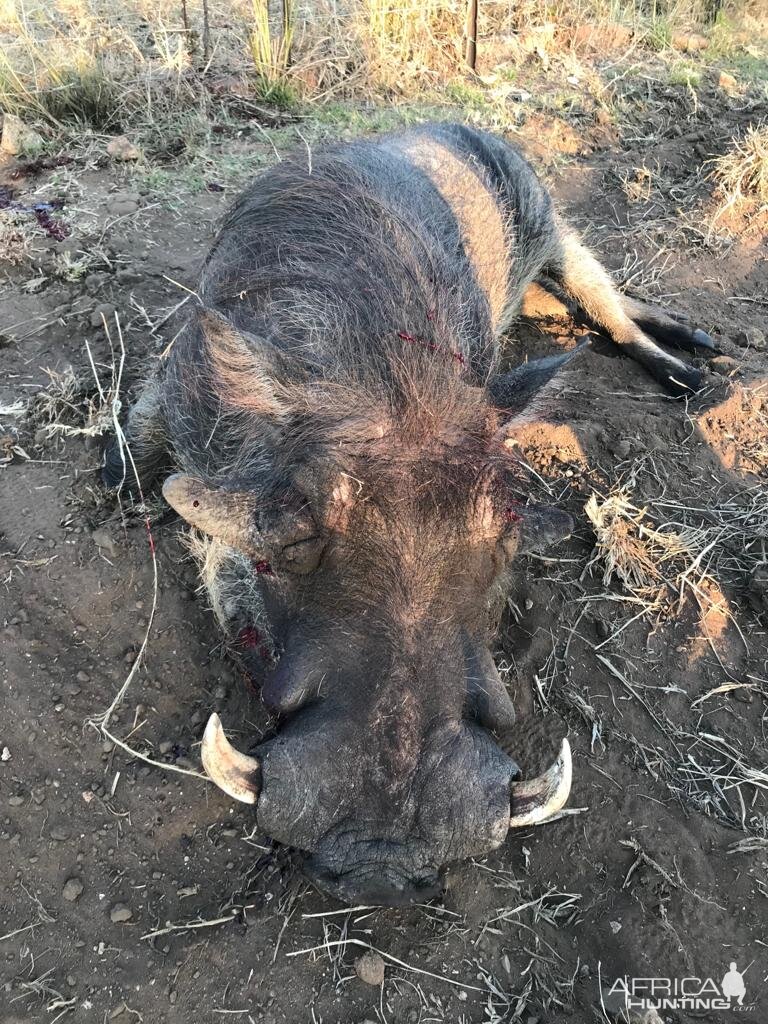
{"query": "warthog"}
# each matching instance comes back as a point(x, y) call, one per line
point(336, 416)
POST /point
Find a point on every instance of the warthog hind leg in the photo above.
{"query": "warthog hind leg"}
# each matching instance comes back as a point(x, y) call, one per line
point(667, 328)
point(627, 322)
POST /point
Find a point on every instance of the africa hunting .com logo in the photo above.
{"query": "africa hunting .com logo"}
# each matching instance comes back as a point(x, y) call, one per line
point(689, 993)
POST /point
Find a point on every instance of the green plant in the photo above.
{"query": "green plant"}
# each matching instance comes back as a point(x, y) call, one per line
point(466, 95)
point(684, 74)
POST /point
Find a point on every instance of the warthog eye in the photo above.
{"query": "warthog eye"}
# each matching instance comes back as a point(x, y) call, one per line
point(302, 556)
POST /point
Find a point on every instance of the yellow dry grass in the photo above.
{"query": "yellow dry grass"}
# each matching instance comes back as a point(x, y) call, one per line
point(741, 174)
point(644, 558)
point(105, 62)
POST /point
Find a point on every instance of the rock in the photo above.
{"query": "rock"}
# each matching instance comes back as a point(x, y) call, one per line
point(126, 275)
point(723, 364)
point(95, 282)
point(120, 913)
point(73, 889)
point(727, 83)
point(102, 539)
point(18, 139)
point(370, 968)
point(5, 755)
point(122, 204)
point(105, 310)
point(689, 42)
point(752, 337)
point(757, 590)
point(121, 148)
point(165, 747)
point(59, 834)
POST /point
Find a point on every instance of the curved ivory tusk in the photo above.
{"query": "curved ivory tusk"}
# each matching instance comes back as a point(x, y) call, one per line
point(536, 800)
point(237, 774)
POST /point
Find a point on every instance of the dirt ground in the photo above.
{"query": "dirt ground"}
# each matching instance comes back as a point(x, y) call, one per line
point(133, 892)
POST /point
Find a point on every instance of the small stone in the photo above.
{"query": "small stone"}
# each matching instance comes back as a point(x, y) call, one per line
point(220, 693)
point(727, 83)
point(102, 539)
point(615, 927)
point(118, 1011)
point(121, 148)
point(83, 677)
point(16, 801)
point(126, 275)
point(94, 282)
point(165, 747)
point(122, 207)
point(18, 139)
point(120, 913)
point(5, 755)
point(104, 311)
point(752, 337)
point(757, 589)
point(59, 834)
point(690, 42)
point(723, 365)
point(73, 889)
point(370, 968)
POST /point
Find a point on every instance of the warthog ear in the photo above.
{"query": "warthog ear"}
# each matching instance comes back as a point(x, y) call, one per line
point(229, 516)
point(534, 528)
point(245, 369)
point(515, 389)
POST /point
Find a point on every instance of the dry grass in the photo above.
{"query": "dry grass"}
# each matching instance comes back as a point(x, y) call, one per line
point(651, 563)
point(113, 66)
point(741, 174)
point(69, 406)
point(16, 237)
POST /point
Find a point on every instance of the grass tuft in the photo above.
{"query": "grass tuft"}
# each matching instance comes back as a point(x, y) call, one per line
point(741, 174)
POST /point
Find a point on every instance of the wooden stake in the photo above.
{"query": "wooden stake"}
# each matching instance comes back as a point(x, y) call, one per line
point(470, 34)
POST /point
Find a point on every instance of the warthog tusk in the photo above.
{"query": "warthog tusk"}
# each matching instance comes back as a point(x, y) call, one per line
point(536, 800)
point(237, 774)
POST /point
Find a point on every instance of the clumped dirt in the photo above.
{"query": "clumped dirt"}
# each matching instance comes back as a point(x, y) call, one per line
point(663, 691)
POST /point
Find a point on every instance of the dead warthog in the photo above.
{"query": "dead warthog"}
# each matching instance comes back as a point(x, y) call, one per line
point(336, 417)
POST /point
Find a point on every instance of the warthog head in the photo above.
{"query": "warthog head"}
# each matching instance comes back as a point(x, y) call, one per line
point(382, 536)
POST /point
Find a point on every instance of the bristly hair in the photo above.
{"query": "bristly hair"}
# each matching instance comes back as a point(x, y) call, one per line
point(364, 306)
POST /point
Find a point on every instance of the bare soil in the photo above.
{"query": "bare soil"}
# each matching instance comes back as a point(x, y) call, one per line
point(648, 880)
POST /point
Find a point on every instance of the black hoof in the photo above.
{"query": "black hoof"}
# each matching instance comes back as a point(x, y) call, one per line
point(702, 340)
point(682, 381)
point(113, 470)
